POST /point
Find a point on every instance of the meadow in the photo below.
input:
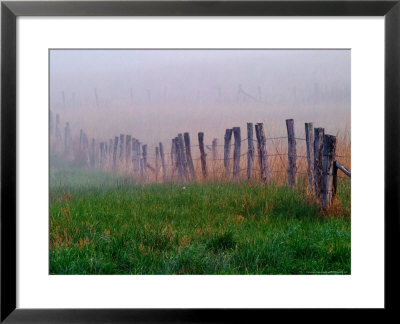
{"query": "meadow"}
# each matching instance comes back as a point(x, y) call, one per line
point(105, 223)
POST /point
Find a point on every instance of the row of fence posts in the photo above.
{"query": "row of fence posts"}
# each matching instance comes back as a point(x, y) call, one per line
point(321, 165)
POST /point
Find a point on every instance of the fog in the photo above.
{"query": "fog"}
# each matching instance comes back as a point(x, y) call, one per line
point(156, 94)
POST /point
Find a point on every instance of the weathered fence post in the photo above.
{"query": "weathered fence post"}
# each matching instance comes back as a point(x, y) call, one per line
point(144, 154)
point(128, 148)
point(236, 152)
point(318, 158)
point(121, 146)
point(182, 156)
point(173, 151)
point(178, 159)
point(262, 151)
point(163, 162)
point(310, 153)
point(142, 162)
point(93, 159)
point(115, 152)
point(157, 162)
point(203, 154)
point(292, 155)
point(250, 150)
point(227, 149)
point(136, 157)
point(327, 193)
point(189, 155)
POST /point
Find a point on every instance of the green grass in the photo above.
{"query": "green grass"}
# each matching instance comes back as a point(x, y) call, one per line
point(103, 224)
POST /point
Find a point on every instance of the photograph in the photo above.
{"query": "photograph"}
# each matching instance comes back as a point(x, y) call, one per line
point(199, 161)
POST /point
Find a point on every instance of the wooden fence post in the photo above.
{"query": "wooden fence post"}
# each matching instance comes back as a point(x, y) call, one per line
point(128, 148)
point(182, 156)
point(227, 149)
point(157, 163)
point(136, 158)
point(121, 146)
point(327, 171)
point(144, 154)
point(93, 159)
point(203, 154)
point(173, 151)
point(115, 152)
point(318, 158)
point(250, 150)
point(141, 162)
point(262, 151)
point(292, 155)
point(178, 159)
point(236, 152)
point(163, 162)
point(310, 153)
point(189, 155)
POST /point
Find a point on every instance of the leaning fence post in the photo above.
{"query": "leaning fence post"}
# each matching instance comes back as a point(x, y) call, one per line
point(250, 150)
point(236, 152)
point(227, 148)
point(202, 154)
point(115, 152)
point(163, 162)
point(318, 158)
point(310, 153)
point(292, 155)
point(189, 155)
point(327, 171)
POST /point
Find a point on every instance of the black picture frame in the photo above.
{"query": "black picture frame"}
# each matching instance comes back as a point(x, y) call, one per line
point(10, 10)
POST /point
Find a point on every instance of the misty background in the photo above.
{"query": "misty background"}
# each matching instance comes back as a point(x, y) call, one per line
point(156, 94)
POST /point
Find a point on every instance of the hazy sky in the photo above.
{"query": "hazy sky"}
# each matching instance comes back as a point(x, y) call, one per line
point(309, 85)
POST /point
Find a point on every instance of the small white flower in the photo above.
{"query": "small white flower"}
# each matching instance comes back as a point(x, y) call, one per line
point(183, 188)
